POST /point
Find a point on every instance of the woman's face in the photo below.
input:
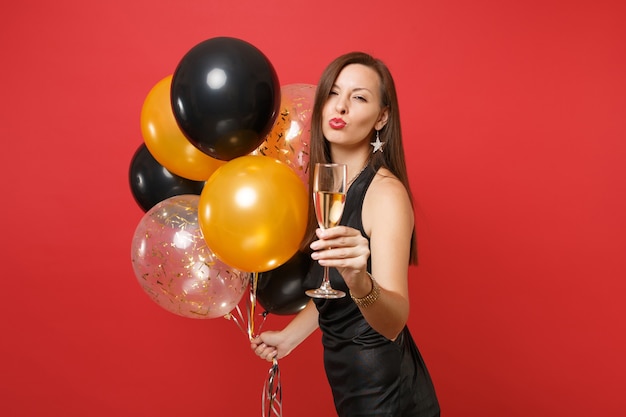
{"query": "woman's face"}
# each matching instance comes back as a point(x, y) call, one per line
point(352, 110)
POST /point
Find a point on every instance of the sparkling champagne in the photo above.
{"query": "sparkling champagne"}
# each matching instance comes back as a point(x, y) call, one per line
point(328, 208)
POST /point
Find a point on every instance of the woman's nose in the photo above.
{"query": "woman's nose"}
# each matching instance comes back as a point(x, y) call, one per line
point(341, 106)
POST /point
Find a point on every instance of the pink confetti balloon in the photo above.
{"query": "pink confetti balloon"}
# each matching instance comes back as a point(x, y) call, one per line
point(289, 139)
point(176, 268)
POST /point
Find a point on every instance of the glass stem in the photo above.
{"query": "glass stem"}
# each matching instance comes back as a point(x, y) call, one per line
point(326, 280)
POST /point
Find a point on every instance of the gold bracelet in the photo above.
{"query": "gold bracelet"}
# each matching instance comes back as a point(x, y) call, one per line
point(370, 298)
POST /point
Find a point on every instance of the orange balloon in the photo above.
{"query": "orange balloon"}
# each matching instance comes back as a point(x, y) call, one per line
point(253, 213)
point(166, 142)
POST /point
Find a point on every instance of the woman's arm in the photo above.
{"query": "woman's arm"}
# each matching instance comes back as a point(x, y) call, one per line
point(388, 220)
point(278, 344)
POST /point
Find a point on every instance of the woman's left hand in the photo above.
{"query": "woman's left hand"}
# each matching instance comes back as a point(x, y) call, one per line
point(345, 249)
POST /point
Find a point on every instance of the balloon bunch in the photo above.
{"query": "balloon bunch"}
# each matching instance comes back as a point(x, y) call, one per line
point(222, 177)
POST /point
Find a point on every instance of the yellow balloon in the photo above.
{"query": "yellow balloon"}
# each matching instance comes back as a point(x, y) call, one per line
point(253, 213)
point(166, 142)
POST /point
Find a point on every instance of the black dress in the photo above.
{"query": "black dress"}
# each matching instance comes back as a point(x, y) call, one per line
point(369, 375)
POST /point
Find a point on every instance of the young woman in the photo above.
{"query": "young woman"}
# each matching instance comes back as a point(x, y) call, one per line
point(372, 363)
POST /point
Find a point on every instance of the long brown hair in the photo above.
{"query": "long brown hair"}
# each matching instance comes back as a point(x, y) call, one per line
point(393, 156)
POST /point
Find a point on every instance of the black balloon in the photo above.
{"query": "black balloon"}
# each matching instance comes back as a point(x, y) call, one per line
point(281, 290)
point(225, 97)
point(152, 183)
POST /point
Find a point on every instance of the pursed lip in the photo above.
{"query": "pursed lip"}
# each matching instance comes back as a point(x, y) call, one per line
point(337, 123)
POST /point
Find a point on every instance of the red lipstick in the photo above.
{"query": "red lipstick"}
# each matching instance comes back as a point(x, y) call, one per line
point(337, 123)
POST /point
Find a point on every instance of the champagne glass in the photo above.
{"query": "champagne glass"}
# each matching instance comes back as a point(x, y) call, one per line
point(329, 198)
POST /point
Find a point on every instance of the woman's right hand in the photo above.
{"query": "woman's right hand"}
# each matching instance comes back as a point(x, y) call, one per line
point(269, 345)
point(272, 345)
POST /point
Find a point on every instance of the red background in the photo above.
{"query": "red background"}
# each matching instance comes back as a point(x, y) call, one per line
point(513, 114)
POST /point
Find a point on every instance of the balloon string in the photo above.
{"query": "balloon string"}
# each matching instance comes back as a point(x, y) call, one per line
point(252, 304)
point(264, 315)
point(237, 316)
point(272, 395)
point(237, 320)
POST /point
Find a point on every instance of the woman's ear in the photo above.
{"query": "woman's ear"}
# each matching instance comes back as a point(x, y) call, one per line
point(382, 119)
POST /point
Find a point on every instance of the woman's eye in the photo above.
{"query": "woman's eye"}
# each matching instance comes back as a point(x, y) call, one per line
point(333, 93)
point(360, 98)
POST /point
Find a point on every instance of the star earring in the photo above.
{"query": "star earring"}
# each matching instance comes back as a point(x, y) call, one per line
point(378, 145)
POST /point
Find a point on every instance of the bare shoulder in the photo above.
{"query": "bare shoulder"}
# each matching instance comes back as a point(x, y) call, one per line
point(388, 199)
point(387, 189)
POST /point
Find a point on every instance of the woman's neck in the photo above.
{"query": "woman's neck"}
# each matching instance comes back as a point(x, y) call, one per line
point(355, 159)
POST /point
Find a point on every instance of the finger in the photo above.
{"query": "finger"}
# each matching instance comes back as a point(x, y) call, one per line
point(268, 354)
point(270, 357)
point(260, 349)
